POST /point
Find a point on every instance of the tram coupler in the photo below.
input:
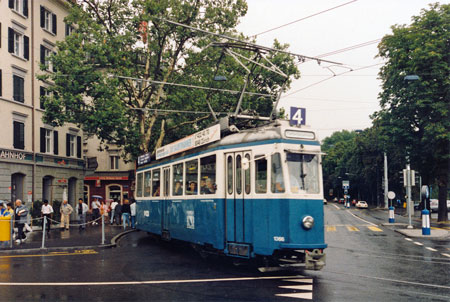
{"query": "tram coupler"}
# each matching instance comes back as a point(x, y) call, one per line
point(315, 259)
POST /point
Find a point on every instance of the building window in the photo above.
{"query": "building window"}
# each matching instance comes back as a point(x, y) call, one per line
point(45, 57)
point(48, 20)
point(20, 6)
point(18, 44)
point(44, 93)
point(18, 89)
point(114, 162)
point(69, 30)
point(49, 141)
point(19, 135)
point(70, 145)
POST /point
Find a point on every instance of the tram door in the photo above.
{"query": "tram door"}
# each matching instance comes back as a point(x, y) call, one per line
point(235, 201)
point(165, 194)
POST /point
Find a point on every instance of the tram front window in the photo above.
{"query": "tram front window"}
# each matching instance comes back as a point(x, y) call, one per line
point(303, 172)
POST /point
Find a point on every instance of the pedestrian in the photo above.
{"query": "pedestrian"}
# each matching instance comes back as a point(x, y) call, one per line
point(20, 213)
point(113, 207)
point(2, 209)
point(65, 210)
point(118, 214)
point(95, 211)
point(9, 210)
point(104, 209)
point(126, 211)
point(47, 211)
point(82, 209)
point(133, 213)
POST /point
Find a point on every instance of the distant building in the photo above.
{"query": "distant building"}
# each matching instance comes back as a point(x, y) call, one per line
point(37, 161)
point(113, 178)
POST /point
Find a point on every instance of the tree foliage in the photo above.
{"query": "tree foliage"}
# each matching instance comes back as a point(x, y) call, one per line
point(111, 72)
point(415, 114)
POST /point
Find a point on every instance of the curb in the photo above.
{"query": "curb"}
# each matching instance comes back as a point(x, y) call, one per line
point(417, 233)
point(113, 243)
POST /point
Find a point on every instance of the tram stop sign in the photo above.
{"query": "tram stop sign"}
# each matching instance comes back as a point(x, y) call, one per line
point(297, 116)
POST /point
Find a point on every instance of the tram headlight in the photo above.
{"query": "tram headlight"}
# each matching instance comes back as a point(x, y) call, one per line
point(308, 222)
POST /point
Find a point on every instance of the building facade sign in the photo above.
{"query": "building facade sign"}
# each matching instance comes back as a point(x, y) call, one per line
point(106, 178)
point(200, 138)
point(7, 154)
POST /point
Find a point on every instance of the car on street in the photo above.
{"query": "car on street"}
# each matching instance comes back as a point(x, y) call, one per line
point(341, 200)
point(325, 201)
point(362, 204)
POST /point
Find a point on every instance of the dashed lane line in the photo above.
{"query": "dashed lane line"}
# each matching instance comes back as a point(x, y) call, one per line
point(375, 229)
point(330, 228)
point(431, 249)
point(408, 239)
point(418, 243)
point(140, 282)
point(445, 254)
point(352, 228)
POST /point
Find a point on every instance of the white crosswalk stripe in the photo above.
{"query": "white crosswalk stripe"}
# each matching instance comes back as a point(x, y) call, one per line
point(307, 286)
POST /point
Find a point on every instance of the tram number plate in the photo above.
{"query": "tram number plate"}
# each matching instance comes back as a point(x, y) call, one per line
point(278, 239)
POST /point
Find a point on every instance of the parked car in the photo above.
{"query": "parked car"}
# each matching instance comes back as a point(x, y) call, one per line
point(434, 204)
point(341, 200)
point(362, 204)
point(325, 201)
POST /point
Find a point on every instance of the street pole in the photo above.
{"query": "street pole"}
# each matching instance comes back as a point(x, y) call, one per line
point(385, 182)
point(408, 193)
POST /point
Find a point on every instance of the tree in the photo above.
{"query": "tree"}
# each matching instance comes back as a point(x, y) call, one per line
point(415, 114)
point(111, 72)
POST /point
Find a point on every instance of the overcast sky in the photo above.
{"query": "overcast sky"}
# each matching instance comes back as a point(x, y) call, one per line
point(342, 102)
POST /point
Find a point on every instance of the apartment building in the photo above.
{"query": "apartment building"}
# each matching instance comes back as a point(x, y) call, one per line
point(37, 161)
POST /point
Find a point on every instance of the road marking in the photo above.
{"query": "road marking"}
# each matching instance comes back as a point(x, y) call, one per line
point(373, 224)
point(431, 249)
point(331, 228)
point(445, 254)
point(336, 207)
point(139, 282)
point(408, 239)
point(300, 280)
point(52, 254)
point(298, 287)
point(418, 243)
point(375, 229)
point(307, 296)
point(352, 228)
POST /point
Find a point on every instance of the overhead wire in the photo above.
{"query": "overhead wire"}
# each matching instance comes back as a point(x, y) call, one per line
point(301, 19)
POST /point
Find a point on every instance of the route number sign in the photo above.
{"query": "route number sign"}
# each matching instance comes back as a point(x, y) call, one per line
point(298, 116)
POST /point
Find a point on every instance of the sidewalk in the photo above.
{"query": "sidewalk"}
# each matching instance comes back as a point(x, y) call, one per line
point(91, 237)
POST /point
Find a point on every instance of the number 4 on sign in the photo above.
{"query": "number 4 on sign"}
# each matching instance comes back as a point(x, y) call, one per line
point(298, 116)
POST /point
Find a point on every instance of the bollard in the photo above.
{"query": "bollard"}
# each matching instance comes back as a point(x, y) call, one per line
point(426, 222)
point(44, 227)
point(103, 229)
point(391, 215)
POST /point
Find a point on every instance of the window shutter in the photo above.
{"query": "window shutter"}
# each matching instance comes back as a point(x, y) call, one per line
point(42, 54)
point(67, 30)
point(26, 47)
point(42, 140)
point(67, 144)
point(55, 143)
point(1, 82)
point(79, 146)
point(21, 136)
point(25, 8)
point(41, 99)
point(54, 24)
point(15, 88)
point(11, 4)
point(16, 134)
point(10, 40)
point(42, 16)
point(53, 65)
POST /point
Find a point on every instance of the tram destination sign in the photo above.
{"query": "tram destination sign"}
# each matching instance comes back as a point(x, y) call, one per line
point(197, 139)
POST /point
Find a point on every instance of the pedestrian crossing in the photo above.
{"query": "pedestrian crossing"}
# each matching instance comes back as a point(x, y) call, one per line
point(352, 228)
point(301, 287)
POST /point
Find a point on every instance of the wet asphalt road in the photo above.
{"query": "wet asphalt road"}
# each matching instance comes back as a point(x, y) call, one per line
point(364, 263)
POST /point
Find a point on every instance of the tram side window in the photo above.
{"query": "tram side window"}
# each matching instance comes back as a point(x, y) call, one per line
point(277, 180)
point(247, 176)
point(208, 175)
point(156, 182)
point(177, 178)
point(147, 184)
point(261, 175)
point(139, 184)
point(191, 177)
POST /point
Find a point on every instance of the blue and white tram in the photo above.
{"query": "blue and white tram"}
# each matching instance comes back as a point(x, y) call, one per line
point(253, 194)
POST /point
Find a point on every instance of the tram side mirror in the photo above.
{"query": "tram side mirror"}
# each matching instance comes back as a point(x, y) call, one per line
point(245, 163)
